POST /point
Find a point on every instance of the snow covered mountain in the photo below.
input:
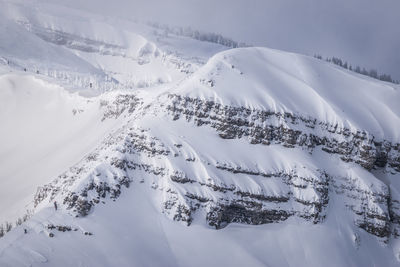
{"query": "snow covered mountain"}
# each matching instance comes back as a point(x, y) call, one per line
point(164, 150)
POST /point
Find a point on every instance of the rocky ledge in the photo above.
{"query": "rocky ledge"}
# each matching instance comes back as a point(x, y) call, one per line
point(135, 156)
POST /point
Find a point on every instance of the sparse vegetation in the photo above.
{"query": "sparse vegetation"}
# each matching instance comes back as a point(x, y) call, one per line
point(373, 73)
point(197, 35)
point(7, 226)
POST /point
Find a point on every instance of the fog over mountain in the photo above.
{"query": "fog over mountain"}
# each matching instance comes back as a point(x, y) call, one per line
point(365, 33)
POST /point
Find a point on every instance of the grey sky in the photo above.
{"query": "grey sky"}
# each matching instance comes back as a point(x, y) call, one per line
point(364, 32)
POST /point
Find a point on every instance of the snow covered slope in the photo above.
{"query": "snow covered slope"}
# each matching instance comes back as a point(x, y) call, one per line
point(47, 129)
point(44, 131)
point(261, 78)
point(91, 53)
point(253, 157)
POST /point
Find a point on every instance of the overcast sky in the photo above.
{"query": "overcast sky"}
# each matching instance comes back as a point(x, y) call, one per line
point(364, 32)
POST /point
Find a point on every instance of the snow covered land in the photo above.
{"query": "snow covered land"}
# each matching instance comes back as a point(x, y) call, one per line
point(161, 148)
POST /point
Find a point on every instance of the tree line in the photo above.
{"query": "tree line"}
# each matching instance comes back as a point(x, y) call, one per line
point(373, 73)
point(197, 35)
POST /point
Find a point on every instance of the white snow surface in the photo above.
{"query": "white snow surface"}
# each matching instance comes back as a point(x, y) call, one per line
point(51, 120)
point(45, 130)
point(131, 232)
point(278, 81)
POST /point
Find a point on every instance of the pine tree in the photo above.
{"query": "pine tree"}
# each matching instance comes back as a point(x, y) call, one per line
point(8, 227)
point(2, 231)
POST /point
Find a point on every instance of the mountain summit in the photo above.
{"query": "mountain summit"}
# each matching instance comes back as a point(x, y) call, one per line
point(132, 144)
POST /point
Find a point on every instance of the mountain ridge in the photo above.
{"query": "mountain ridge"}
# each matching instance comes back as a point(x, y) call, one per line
point(242, 156)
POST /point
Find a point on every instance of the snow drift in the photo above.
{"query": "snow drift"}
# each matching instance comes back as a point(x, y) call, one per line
point(184, 155)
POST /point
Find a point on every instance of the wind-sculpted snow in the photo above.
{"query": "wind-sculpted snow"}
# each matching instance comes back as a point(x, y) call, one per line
point(266, 127)
point(198, 180)
point(286, 83)
point(93, 56)
point(254, 141)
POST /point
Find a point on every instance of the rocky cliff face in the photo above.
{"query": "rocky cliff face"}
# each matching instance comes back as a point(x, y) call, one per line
point(227, 189)
point(289, 130)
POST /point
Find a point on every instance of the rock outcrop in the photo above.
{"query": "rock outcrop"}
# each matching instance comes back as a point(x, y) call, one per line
point(135, 155)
